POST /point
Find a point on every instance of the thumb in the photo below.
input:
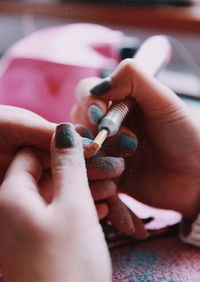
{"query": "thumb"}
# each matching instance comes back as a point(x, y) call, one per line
point(71, 189)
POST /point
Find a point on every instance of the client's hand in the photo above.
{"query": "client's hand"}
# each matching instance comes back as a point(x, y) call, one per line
point(57, 241)
point(165, 170)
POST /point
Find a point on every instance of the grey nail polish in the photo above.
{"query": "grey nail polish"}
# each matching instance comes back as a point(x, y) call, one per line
point(101, 88)
point(94, 114)
point(65, 136)
point(126, 142)
point(84, 131)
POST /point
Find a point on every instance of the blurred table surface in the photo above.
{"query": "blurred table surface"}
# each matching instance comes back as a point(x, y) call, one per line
point(181, 19)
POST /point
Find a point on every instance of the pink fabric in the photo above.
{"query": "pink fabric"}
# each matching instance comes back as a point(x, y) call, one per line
point(41, 71)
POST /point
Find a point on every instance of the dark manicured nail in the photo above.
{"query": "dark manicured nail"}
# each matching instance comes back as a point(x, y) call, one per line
point(126, 142)
point(84, 131)
point(94, 114)
point(65, 136)
point(101, 88)
point(111, 164)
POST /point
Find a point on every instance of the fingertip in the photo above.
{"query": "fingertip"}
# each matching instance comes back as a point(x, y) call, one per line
point(102, 210)
point(101, 88)
point(95, 113)
point(123, 144)
point(80, 116)
point(65, 147)
point(120, 216)
point(84, 131)
point(65, 136)
point(104, 167)
point(140, 232)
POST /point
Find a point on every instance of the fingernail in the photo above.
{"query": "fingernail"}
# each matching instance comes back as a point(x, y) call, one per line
point(126, 142)
point(111, 164)
point(94, 114)
point(84, 131)
point(89, 141)
point(101, 88)
point(65, 135)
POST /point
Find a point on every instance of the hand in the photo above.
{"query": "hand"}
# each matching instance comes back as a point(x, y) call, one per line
point(57, 241)
point(165, 170)
point(19, 128)
point(22, 128)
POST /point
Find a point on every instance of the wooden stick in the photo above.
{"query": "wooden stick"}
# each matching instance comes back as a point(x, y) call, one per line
point(100, 138)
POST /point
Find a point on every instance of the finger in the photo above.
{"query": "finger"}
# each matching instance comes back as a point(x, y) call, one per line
point(155, 99)
point(88, 149)
point(102, 210)
point(71, 189)
point(46, 186)
point(24, 172)
point(26, 128)
point(78, 116)
point(119, 216)
point(104, 167)
point(140, 231)
point(102, 189)
point(86, 140)
point(84, 131)
point(94, 108)
point(123, 144)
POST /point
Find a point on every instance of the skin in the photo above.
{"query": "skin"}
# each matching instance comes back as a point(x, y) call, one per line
point(21, 128)
point(20, 208)
point(165, 170)
point(49, 241)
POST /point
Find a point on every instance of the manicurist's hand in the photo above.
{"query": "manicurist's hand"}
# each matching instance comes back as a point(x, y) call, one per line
point(19, 128)
point(165, 169)
point(60, 240)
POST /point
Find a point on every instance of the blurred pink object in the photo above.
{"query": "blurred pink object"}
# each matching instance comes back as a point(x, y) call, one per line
point(41, 71)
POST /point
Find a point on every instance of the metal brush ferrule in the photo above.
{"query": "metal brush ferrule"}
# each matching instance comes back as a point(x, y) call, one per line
point(115, 116)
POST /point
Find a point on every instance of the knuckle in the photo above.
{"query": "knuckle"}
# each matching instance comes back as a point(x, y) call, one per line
point(129, 65)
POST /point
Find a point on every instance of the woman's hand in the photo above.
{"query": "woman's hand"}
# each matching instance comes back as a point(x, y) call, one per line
point(21, 128)
point(165, 170)
point(56, 241)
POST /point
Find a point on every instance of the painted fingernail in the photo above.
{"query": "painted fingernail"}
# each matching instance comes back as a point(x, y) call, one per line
point(101, 88)
point(126, 142)
point(84, 131)
point(65, 136)
point(87, 140)
point(94, 114)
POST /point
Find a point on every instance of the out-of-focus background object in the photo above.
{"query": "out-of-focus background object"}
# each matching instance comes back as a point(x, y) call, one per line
point(20, 18)
point(41, 71)
point(141, 2)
